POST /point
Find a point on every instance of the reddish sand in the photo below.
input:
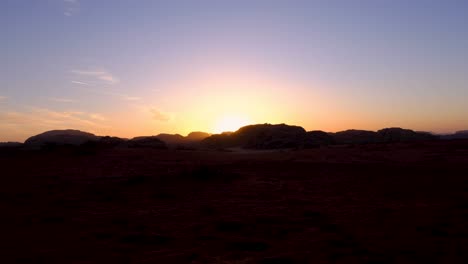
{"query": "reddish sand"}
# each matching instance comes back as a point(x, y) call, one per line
point(398, 203)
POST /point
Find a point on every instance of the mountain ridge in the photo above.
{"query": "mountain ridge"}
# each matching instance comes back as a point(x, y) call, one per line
point(256, 136)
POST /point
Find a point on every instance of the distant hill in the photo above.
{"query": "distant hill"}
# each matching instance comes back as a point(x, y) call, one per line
point(107, 142)
point(197, 136)
point(260, 136)
point(267, 136)
point(60, 137)
point(171, 139)
point(146, 142)
point(177, 140)
point(463, 134)
point(72, 137)
point(318, 138)
point(396, 134)
point(386, 135)
point(354, 136)
point(10, 144)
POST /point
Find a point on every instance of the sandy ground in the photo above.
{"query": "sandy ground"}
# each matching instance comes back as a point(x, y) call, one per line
point(397, 203)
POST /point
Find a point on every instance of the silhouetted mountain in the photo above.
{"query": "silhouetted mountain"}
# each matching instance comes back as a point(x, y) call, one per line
point(267, 136)
point(217, 141)
point(463, 134)
point(318, 138)
point(108, 141)
point(386, 135)
point(10, 144)
point(190, 142)
point(261, 136)
point(396, 134)
point(197, 136)
point(171, 139)
point(146, 142)
point(59, 138)
point(354, 136)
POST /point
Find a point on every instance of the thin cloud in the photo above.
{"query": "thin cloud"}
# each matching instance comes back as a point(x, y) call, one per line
point(61, 100)
point(100, 75)
point(2, 98)
point(71, 7)
point(130, 98)
point(46, 119)
point(124, 97)
point(80, 83)
point(97, 117)
point(158, 115)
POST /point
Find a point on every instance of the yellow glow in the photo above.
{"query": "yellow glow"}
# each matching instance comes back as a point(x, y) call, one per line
point(230, 123)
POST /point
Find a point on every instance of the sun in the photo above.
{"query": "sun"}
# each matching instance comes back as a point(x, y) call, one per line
point(230, 123)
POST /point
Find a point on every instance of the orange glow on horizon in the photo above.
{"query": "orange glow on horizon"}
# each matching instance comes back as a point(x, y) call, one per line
point(230, 123)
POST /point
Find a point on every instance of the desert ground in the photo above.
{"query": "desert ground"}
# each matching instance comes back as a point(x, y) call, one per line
point(375, 203)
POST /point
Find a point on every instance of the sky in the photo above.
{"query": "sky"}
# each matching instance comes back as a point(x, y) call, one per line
point(144, 67)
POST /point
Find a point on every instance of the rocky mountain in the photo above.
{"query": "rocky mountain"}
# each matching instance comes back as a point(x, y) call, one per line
point(218, 141)
point(197, 136)
point(260, 136)
point(146, 142)
point(180, 142)
point(10, 144)
point(354, 136)
point(396, 134)
point(109, 142)
point(463, 134)
point(318, 138)
point(267, 136)
point(386, 135)
point(171, 139)
point(60, 137)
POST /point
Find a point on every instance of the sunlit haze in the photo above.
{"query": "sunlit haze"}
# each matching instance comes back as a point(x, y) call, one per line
point(133, 68)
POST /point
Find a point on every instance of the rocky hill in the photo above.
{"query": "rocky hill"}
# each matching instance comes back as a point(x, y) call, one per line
point(463, 134)
point(146, 142)
point(396, 134)
point(60, 137)
point(261, 136)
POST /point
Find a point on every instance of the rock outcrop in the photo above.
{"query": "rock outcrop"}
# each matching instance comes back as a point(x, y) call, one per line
point(60, 138)
point(10, 144)
point(261, 136)
point(171, 139)
point(197, 136)
point(463, 134)
point(396, 134)
point(354, 136)
point(318, 138)
point(179, 141)
point(146, 142)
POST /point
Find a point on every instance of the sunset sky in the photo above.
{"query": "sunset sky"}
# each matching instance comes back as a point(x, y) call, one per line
point(144, 67)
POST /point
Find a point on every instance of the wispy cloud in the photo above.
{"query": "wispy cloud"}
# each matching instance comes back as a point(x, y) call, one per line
point(159, 115)
point(2, 98)
point(71, 7)
point(80, 83)
point(41, 119)
point(122, 96)
point(99, 75)
point(130, 98)
point(97, 117)
point(61, 100)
